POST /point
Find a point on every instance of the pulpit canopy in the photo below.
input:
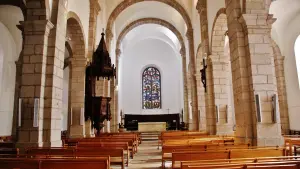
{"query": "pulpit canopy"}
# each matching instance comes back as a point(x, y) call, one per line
point(101, 64)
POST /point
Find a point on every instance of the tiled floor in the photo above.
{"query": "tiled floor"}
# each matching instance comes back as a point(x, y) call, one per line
point(147, 157)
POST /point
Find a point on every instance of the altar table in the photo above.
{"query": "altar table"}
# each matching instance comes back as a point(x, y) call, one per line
point(152, 126)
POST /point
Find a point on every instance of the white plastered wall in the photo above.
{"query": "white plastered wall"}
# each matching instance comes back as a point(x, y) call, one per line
point(11, 45)
point(8, 56)
point(285, 32)
point(82, 9)
point(157, 53)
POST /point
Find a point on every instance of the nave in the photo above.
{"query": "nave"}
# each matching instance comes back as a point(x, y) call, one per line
point(169, 149)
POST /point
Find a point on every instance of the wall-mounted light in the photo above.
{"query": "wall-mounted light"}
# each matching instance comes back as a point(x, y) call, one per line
point(275, 108)
point(203, 72)
point(258, 108)
point(217, 113)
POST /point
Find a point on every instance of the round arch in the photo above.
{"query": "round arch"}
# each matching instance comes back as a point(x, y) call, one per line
point(143, 21)
point(127, 3)
point(219, 30)
point(167, 25)
point(19, 4)
point(76, 35)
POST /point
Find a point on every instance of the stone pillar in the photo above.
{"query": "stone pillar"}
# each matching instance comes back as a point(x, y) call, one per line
point(210, 99)
point(114, 100)
point(209, 103)
point(89, 131)
point(77, 124)
point(33, 81)
point(54, 76)
point(77, 92)
point(220, 74)
point(253, 72)
point(281, 88)
point(201, 95)
point(195, 122)
point(94, 11)
point(259, 26)
point(185, 85)
point(113, 122)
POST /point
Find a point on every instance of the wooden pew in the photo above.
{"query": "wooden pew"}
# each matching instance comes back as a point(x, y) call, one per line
point(111, 145)
point(290, 142)
point(260, 152)
point(168, 150)
point(197, 155)
point(281, 165)
point(116, 155)
point(90, 163)
point(9, 151)
point(223, 162)
point(25, 163)
point(46, 152)
point(20, 163)
point(131, 145)
point(240, 153)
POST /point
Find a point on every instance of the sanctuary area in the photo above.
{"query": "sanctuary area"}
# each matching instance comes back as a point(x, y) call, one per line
point(142, 84)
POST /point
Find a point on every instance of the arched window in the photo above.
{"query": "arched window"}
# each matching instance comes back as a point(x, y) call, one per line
point(151, 88)
point(297, 54)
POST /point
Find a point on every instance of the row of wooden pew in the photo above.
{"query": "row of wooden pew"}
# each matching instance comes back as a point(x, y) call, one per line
point(99, 152)
point(195, 149)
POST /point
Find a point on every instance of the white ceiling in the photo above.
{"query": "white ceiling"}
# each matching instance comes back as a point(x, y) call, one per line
point(150, 31)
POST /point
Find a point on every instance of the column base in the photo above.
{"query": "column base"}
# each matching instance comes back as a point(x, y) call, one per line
point(77, 131)
point(193, 126)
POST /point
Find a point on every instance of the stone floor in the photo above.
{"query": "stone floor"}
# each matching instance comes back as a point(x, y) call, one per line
point(147, 157)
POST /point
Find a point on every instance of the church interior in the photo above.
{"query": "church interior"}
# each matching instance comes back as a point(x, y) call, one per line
point(147, 84)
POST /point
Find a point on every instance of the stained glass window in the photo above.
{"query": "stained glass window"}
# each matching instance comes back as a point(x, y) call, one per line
point(151, 88)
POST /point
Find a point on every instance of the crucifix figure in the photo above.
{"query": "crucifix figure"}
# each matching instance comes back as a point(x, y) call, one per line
point(168, 111)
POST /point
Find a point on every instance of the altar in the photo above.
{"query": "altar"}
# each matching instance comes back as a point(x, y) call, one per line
point(132, 121)
point(152, 126)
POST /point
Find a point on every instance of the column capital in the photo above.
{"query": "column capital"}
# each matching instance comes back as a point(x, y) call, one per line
point(183, 52)
point(95, 4)
point(190, 34)
point(37, 26)
point(201, 6)
point(78, 61)
point(109, 35)
point(118, 53)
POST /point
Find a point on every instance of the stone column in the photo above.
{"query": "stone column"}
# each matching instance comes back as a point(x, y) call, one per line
point(54, 76)
point(77, 124)
point(114, 92)
point(77, 92)
point(185, 85)
point(210, 99)
point(220, 73)
point(113, 121)
point(209, 103)
point(201, 95)
point(89, 131)
point(195, 122)
point(259, 26)
point(33, 82)
point(253, 72)
point(281, 88)
point(94, 11)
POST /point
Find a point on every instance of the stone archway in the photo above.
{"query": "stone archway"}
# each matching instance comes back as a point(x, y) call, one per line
point(19, 4)
point(221, 83)
point(78, 61)
point(169, 26)
point(190, 36)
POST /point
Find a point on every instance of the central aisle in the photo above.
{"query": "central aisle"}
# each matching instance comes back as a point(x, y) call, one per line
point(147, 157)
